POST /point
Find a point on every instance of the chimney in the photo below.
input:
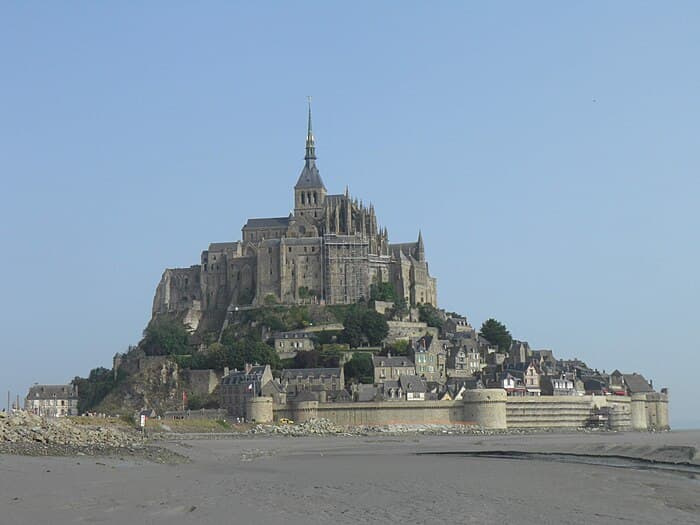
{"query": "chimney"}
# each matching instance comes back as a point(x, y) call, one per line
point(248, 368)
point(226, 371)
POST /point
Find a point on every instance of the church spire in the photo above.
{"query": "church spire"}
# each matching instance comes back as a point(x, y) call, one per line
point(310, 143)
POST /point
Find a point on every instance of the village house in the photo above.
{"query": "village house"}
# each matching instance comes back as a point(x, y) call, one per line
point(519, 352)
point(463, 360)
point(458, 327)
point(287, 344)
point(513, 385)
point(239, 386)
point(326, 380)
point(52, 400)
point(558, 386)
point(430, 357)
point(531, 379)
point(391, 368)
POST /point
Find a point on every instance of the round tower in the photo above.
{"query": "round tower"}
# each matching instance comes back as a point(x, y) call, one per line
point(485, 407)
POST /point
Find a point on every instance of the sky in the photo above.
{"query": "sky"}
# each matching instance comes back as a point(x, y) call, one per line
point(548, 151)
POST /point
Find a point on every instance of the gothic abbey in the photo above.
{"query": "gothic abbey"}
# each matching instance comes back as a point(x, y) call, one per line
point(329, 251)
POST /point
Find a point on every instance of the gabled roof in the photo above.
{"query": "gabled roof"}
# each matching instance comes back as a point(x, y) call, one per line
point(267, 222)
point(52, 392)
point(240, 376)
point(411, 384)
point(636, 383)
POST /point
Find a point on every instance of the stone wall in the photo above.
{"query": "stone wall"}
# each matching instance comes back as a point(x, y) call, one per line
point(491, 408)
point(407, 330)
point(394, 412)
point(203, 382)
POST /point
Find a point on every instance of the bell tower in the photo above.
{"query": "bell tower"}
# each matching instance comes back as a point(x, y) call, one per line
point(309, 191)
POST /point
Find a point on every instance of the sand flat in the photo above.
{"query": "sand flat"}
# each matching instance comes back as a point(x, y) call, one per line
point(377, 479)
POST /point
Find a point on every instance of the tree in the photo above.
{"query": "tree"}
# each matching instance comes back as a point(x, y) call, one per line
point(375, 327)
point(165, 336)
point(430, 315)
point(497, 333)
point(93, 389)
point(359, 369)
point(362, 324)
point(306, 359)
point(352, 331)
point(383, 292)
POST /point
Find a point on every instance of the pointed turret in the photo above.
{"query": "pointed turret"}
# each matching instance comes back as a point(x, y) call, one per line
point(420, 249)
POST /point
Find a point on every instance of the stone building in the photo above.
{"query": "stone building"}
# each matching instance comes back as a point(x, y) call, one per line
point(326, 380)
point(390, 368)
point(52, 400)
point(430, 357)
point(240, 385)
point(287, 344)
point(329, 250)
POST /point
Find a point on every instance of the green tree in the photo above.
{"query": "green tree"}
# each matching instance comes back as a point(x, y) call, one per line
point(383, 292)
point(165, 336)
point(430, 315)
point(375, 327)
point(306, 359)
point(497, 333)
point(93, 389)
point(359, 369)
point(352, 332)
point(362, 324)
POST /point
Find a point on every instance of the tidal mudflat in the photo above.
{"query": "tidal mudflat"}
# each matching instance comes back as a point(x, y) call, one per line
point(634, 478)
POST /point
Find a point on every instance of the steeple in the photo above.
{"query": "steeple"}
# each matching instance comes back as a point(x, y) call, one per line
point(310, 143)
point(309, 191)
point(420, 247)
point(310, 177)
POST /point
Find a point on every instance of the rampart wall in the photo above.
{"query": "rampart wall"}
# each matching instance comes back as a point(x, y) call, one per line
point(492, 409)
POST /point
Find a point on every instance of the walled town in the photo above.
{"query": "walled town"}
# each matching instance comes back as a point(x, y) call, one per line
point(317, 316)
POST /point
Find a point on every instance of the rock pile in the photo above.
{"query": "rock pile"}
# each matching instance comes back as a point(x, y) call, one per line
point(321, 427)
point(324, 427)
point(23, 428)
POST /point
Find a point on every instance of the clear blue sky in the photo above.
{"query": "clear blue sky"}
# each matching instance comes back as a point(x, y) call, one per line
point(548, 150)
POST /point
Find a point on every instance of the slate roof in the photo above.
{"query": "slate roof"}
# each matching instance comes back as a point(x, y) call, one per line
point(309, 178)
point(267, 222)
point(240, 376)
point(222, 246)
point(294, 373)
point(636, 383)
point(411, 384)
point(393, 361)
point(52, 392)
point(366, 393)
point(305, 395)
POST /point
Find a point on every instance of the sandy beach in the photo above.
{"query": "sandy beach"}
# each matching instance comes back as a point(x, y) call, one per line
point(374, 479)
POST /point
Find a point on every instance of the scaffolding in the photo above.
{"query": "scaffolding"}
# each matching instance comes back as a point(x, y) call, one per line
point(345, 268)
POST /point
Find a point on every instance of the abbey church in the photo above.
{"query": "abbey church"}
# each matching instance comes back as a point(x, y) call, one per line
point(330, 250)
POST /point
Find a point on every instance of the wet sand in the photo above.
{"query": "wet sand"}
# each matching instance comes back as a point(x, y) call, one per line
point(380, 479)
